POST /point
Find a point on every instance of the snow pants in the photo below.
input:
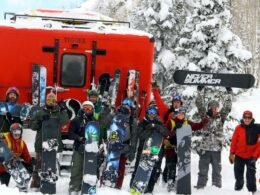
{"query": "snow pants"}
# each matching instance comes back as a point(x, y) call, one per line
point(5, 178)
point(36, 180)
point(206, 158)
point(170, 169)
point(239, 167)
point(76, 171)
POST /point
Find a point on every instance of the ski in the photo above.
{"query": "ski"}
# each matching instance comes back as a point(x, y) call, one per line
point(90, 165)
point(42, 84)
point(113, 89)
point(186, 77)
point(35, 84)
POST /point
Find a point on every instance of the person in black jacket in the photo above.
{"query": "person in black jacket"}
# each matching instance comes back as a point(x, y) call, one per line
point(77, 133)
point(151, 122)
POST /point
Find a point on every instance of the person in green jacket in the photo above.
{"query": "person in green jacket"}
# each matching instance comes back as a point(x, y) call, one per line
point(51, 109)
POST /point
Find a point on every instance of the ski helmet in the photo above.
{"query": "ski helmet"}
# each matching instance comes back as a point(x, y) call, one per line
point(127, 102)
point(88, 108)
point(12, 90)
point(176, 98)
point(152, 110)
point(16, 129)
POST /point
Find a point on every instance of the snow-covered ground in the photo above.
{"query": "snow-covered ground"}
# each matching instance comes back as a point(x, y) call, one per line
point(247, 101)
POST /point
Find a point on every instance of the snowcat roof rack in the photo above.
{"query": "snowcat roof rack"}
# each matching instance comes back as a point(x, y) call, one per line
point(66, 20)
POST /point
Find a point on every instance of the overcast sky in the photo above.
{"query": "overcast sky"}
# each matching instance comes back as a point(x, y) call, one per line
point(21, 5)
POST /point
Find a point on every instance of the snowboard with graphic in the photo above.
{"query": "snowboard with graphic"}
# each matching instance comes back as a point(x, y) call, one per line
point(186, 77)
point(90, 165)
point(115, 147)
point(50, 134)
point(147, 161)
point(14, 167)
point(183, 180)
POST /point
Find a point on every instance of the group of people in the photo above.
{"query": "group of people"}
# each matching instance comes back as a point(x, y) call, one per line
point(244, 150)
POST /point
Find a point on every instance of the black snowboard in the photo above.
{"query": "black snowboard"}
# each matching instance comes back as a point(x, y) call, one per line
point(183, 181)
point(186, 77)
point(14, 167)
point(90, 165)
point(49, 149)
point(147, 161)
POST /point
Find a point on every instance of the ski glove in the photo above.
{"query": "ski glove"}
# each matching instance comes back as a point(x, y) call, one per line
point(1, 160)
point(62, 105)
point(252, 160)
point(231, 158)
point(200, 87)
point(82, 140)
point(155, 85)
point(229, 90)
point(131, 155)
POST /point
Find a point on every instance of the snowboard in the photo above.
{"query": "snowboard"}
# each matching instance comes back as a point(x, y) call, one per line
point(14, 167)
point(35, 84)
point(186, 77)
point(136, 94)
point(147, 161)
point(90, 165)
point(49, 148)
point(115, 147)
point(130, 84)
point(113, 88)
point(42, 85)
point(183, 180)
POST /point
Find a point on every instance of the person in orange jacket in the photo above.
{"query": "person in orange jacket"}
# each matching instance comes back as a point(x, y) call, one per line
point(15, 143)
point(245, 150)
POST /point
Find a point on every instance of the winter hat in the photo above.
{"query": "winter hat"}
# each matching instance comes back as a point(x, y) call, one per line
point(92, 92)
point(247, 114)
point(12, 90)
point(213, 103)
point(87, 103)
point(128, 102)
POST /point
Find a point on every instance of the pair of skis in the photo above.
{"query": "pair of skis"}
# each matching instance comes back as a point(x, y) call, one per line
point(39, 80)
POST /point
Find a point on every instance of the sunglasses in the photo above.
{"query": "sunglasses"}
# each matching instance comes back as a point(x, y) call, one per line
point(247, 117)
point(87, 108)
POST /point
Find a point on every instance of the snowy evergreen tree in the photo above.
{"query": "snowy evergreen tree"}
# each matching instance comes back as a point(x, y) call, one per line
point(164, 20)
point(207, 44)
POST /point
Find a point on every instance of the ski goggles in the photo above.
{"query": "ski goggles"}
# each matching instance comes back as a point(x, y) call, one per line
point(17, 132)
point(152, 111)
point(88, 108)
point(176, 98)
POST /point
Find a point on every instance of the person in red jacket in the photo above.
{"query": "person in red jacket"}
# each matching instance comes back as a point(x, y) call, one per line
point(166, 113)
point(244, 151)
point(14, 141)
